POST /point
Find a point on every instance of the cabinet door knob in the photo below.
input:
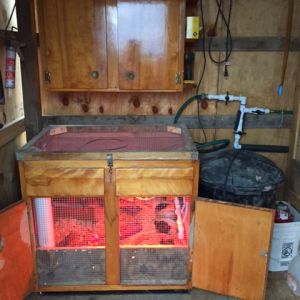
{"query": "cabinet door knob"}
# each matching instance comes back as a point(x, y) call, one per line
point(94, 74)
point(130, 75)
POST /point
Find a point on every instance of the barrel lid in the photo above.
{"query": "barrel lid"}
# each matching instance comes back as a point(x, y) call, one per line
point(240, 172)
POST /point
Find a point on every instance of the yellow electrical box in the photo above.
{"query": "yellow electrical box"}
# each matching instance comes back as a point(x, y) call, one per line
point(192, 28)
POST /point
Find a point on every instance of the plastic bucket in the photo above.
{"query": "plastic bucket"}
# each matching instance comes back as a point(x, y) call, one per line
point(285, 243)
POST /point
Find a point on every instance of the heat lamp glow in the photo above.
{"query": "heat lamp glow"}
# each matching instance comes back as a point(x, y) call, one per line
point(143, 222)
point(154, 221)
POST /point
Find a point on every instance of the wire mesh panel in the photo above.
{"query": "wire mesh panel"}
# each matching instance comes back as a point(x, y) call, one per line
point(154, 266)
point(70, 239)
point(70, 266)
point(69, 222)
point(154, 239)
point(112, 138)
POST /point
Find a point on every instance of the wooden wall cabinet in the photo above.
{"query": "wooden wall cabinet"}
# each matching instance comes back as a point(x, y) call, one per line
point(115, 45)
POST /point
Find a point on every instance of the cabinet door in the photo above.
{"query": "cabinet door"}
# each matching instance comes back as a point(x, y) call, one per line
point(231, 245)
point(150, 35)
point(74, 40)
point(15, 253)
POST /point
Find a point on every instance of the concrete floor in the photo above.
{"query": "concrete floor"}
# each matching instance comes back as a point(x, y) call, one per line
point(277, 289)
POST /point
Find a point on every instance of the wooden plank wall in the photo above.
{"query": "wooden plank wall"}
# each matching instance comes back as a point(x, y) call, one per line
point(252, 74)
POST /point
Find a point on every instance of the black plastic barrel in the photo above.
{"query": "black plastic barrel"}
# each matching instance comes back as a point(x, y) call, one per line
point(239, 176)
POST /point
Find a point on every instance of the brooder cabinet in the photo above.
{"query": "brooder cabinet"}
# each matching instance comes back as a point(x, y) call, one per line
point(112, 45)
point(112, 207)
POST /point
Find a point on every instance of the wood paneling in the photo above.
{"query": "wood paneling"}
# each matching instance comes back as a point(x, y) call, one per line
point(15, 257)
point(149, 44)
point(62, 181)
point(75, 43)
point(255, 18)
point(230, 244)
point(154, 181)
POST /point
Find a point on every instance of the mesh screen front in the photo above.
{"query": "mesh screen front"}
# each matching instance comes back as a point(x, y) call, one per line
point(154, 221)
point(69, 222)
point(154, 239)
point(126, 139)
point(70, 266)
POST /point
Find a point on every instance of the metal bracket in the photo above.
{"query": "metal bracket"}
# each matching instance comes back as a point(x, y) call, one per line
point(48, 77)
point(178, 78)
point(110, 164)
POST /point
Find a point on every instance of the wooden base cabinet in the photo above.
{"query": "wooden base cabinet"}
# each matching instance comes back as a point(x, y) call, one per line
point(123, 220)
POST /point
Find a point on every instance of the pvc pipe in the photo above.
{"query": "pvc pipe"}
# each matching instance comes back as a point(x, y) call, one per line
point(44, 222)
point(179, 219)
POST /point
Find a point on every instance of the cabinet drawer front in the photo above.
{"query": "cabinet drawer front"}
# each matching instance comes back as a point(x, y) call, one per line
point(154, 181)
point(64, 181)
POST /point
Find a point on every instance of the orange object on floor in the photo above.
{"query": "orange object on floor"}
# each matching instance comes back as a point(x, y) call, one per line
point(15, 256)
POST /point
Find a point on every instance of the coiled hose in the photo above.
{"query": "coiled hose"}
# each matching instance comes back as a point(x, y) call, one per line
point(207, 147)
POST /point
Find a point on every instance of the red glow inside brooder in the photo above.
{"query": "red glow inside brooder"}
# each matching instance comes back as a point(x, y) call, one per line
point(143, 221)
point(126, 139)
point(154, 221)
point(70, 222)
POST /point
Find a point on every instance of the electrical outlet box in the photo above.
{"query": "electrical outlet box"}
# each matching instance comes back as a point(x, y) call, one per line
point(192, 27)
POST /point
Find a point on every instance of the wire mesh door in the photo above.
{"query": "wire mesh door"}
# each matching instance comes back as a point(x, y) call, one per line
point(154, 239)
point(70, 240)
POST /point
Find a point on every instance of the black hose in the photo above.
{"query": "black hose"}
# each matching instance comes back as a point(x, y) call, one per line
point(265, 148)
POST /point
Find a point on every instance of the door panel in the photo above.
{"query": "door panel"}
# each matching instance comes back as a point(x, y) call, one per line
point(229, 246)
point(15, 253)
point(150, 43)
point(74, 34)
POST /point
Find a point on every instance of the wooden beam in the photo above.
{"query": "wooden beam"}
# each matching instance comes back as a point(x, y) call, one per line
point(11, 131)
point(111, 213)
point(29, 67)
point(225, 122)
point(248, 44)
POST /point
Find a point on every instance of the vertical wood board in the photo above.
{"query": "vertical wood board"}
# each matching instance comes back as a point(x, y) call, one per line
point(111, 213)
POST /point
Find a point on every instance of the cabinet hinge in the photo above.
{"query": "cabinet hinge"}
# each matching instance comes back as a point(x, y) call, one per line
point(47, 77)
point(178, 78)
point(110, 164)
